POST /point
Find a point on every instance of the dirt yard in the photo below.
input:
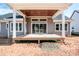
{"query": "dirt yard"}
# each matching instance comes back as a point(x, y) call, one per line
point(71, 48)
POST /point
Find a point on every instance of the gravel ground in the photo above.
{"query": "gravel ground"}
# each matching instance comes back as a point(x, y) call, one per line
point(71, 48)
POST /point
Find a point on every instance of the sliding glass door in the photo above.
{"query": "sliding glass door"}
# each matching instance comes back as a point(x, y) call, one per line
point(38, 28)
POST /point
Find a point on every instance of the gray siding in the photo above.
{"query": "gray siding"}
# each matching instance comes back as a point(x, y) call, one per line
point(51, 29)
point(3, 32)
point(75, 22)
point(29, 26)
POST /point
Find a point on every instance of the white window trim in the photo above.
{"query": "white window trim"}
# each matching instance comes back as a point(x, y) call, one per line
point(59, 27)
point(18, 27)
point(38, 19)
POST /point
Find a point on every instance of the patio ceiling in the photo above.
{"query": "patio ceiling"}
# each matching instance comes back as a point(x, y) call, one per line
point(39, 12)
point(32, 9)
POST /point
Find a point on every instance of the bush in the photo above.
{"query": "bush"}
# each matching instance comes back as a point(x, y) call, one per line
point(75, 33)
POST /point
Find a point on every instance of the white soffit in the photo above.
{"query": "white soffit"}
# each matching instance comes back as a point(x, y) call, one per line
point(39, 6)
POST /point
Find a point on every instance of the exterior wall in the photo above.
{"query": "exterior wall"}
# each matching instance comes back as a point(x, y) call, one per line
point(51, 29)
point(3, 32)
point(75, 22)
point(28, 25)
point(17, 33)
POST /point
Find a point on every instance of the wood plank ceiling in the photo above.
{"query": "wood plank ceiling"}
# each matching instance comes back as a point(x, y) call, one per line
point(39, 12)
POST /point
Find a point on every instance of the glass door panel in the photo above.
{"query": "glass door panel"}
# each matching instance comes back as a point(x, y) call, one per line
point(42, 28)
point(35, 28)
point(38, 28)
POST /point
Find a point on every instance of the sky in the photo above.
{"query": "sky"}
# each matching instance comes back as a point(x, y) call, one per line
point(4, 8)
point(71, 9)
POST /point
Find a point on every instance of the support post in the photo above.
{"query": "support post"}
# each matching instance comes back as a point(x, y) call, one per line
point(14, 24)
point(70, 29)
point(8, 29)
point(24, 25)
point(38, 41)
point(63, 25)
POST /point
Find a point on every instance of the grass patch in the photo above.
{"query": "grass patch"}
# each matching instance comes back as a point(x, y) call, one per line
point(50, 46)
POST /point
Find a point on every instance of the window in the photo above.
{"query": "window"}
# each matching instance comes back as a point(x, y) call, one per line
point(66, 27)
point(7, 25)
point(34, 19)
point(38, 19)
point(42, 19)
point(58, 27)
point(19, 26)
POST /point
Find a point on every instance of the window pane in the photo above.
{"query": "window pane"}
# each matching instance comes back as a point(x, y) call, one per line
point(60, 26)
point(6, 25)
point(20, 26)
point(16, 26)
point(42, 19)
point(66, 27)
point(42, 28)
point(34, 19)
point(57, 26)
point(37, 28)
point(33, 28)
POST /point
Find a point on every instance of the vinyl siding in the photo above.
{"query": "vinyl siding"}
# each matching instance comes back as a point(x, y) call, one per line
point(3, 32)
point(51, 29)
point(75, 22)
point(17, 33)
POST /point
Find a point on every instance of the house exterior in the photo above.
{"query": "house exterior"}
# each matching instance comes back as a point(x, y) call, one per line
point(7, 23)
point(54, 27)
point(36, 19)
point(75, 21)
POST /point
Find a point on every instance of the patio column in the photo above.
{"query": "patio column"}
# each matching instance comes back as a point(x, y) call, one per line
point(8, 28)
point(14, 24)
point(70, 29)
point(24, 23)
point(63, 25)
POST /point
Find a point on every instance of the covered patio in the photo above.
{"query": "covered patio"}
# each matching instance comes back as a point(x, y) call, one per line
point(40, 37)
point(37, 9)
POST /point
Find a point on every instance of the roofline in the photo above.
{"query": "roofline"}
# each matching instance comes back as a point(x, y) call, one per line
point(74, 13)
point(65, 6)
point(36, 5)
